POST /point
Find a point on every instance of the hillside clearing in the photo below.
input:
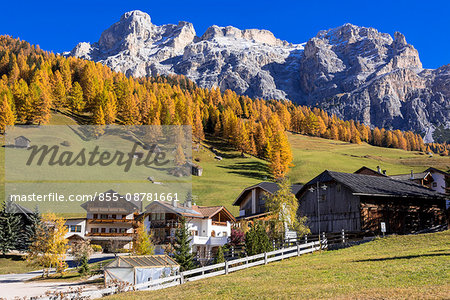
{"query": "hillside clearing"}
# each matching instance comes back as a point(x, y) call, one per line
point(223, 180)
point(396, 267)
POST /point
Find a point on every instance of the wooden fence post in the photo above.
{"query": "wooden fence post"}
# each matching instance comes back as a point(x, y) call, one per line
point(306, 239)
point(181, 278)
point(265, 258)
point(226, 267)
point(343, 236)
point(298, 250)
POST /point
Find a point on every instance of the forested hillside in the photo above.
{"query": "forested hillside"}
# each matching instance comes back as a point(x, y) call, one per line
point(33, 82)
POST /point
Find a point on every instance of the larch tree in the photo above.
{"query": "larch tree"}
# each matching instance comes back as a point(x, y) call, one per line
point(7, 116)
point(283, 206)
point(142, 243)
point(49, 248)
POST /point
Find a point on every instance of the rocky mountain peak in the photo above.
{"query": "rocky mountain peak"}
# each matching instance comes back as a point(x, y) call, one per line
point(354, 72)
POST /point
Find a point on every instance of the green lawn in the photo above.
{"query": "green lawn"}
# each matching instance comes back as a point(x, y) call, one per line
point(11, 264)
point(396, 267)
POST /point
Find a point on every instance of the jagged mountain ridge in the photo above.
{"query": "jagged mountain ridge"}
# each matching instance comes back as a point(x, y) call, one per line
point(355, 72)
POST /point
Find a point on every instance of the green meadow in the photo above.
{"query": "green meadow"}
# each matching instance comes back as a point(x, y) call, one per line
point(395, 267)
point(223, 180)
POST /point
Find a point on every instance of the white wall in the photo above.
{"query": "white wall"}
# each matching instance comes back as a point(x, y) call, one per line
point(80, 222)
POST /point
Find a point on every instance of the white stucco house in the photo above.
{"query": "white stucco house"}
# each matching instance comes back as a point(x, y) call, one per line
point(210, 226)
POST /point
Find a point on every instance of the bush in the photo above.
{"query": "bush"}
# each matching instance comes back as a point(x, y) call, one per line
point(122, 250)
point(97, 248)
point(83, 269)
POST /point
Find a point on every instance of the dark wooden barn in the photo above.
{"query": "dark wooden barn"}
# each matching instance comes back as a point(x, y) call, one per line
point(358, 202)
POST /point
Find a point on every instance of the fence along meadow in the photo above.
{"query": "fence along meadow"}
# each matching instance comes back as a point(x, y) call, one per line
point(201, 273)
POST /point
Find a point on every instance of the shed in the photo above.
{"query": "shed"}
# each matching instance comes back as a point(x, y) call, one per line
point(21, 142)
point(140, 269)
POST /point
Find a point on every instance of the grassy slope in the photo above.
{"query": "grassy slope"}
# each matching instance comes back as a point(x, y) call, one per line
point(222, 181)
point(397, 267)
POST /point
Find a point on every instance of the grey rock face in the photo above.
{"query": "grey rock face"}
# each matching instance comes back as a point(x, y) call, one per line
point(355, 72)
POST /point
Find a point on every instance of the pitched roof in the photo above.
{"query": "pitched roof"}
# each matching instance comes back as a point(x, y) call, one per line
point(143, 261)
point(179, 210)
point(120, 205)
point(192, 212)
point(373, 185)
point(408, 176)
point(431, 169)
point(372, 171)
point(16, 208)
point(270, 187)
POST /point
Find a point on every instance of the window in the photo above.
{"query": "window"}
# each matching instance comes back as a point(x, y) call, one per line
point(94, 230)
point(194, 232)
point(124, 216)
point(113, 230)
point(224, 233)
point(323, 198)
point(103, 216)
point(112, 216)
point(95, 216)
point(103, 230)
point(122, 230)
point(213, 233)
point(434, 184)
point(75, 228)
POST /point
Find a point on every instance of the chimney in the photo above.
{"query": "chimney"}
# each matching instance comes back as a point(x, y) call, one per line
point(384, 172)
point(378, 169)
point(412, 175)
point(174, 203)
point(188, 203)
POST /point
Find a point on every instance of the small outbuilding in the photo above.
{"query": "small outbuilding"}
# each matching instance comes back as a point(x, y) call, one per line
point(140, 269)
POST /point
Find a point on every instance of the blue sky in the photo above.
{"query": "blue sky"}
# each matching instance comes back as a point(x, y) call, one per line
point(59, 25)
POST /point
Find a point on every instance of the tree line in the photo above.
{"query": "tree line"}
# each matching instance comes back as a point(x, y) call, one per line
point(33, 82)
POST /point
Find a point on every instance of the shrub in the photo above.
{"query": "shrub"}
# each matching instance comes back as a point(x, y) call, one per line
point(97, 248)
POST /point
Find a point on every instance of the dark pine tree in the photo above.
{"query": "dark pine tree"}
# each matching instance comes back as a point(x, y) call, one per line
point(11, 229)
point(183, 254)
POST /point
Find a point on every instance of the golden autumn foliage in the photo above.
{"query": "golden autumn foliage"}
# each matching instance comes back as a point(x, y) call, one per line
point(35, 81)
point(48, 250)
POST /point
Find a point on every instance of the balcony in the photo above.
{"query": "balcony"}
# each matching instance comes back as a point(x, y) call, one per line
point(109, 234)
point(216, 223)
point(212, 241)
point(111, 221)
point(164, 224)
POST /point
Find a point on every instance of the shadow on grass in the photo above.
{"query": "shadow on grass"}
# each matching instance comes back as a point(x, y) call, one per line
point(403, 257)
point(253, 169)
point(14, 257)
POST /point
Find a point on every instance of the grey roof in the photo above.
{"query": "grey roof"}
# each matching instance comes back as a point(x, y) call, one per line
point(431, 169)
point(374, 185)
point(142, 261)
point(270, 187)
point(16, 208)
point(120, 205)
point(408, 176)
point(184, 211)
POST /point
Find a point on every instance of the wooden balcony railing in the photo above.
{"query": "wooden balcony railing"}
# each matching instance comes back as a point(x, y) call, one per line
point(217, 223)
point(164, 224)
point(109, 234)
point(106, 221)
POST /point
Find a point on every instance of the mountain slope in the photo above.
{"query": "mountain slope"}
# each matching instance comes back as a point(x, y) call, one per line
point(355, 72)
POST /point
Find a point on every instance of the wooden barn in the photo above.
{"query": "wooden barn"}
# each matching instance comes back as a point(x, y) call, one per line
point(359, 202)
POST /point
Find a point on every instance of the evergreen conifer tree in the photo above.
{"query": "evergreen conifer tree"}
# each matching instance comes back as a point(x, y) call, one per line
point(183, 254)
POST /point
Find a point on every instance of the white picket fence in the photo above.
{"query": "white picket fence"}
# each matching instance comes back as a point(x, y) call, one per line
point(208, 271)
